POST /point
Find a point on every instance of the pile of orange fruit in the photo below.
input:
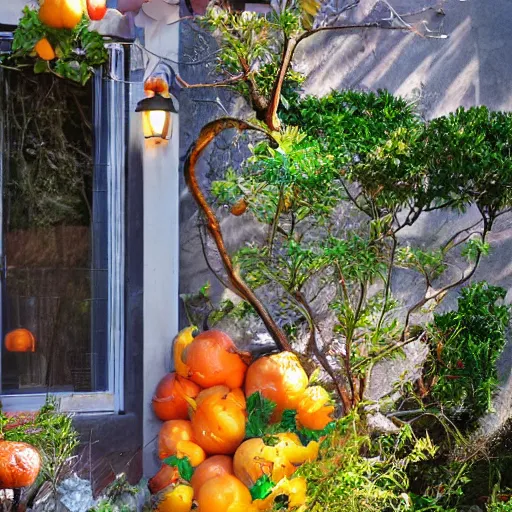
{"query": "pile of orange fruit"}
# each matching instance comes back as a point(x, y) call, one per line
point(211, 456)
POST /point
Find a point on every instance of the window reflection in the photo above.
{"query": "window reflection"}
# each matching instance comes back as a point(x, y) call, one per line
point(55, 279)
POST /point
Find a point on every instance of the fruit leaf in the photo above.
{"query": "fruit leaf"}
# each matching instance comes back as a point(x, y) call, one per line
point(306, 435)
point(288, 422)
point(259, 411)
point(184, 467)
point(262, 488)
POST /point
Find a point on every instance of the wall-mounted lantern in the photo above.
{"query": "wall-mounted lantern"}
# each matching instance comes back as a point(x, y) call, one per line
point(157, 108)
point(157, 117)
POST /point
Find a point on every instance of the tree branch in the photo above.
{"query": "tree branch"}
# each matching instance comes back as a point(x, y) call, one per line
point(207, 134)
point(223, 83)
point(346, 400)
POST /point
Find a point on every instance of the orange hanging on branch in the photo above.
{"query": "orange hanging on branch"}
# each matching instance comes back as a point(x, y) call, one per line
point(61, 13)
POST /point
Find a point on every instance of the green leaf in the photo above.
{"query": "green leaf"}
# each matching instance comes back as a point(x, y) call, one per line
point(306, 435)
point(184, 467)
point(262, 488)
point(41, 66)
point(288, 421)
point(259, 411)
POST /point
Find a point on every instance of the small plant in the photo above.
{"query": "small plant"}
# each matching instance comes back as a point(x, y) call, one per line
point(355, 472)
point(466, 345)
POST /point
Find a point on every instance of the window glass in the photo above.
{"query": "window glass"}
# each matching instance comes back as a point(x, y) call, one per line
point(55, 240)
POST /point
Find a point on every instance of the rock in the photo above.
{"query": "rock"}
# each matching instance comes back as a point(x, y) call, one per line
point(76, 494)
point(378, 423)
point(388, 372)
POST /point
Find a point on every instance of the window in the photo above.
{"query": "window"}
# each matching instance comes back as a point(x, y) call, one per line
point(62, 243)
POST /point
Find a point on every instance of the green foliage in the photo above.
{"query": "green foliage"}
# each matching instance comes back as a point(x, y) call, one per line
point(471, 149)
point(500, 506)
point(466, 345)
point(78, 51)
point(250, 44)
point(185, 469)
point(259, 411)
point(52, 433)
point(429, 263)
point(335, 193)
point(348, 477)
point(262, 488)
point(107, 506)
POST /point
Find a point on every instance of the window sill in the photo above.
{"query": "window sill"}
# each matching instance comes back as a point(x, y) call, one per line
point(72, 403)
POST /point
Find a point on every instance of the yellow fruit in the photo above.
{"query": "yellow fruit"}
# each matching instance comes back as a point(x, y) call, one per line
point(184, 338)
point(295, 489)
point(315, 410)
point(254, 458)
point(44, 49)
point(61, 13)
point(191, 450)
point(178, 499)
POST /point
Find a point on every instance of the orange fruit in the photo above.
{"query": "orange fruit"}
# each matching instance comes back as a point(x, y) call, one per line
point(278, 377)
point(213, 360)
point(20, 340)
point(314, 410)
point(61, 13)
point(212, 467)
point(218, 423)
point(254, 458)
point(184, 338)
point(222, 492)
point(170, 434)
point(19, 464)
point(177, 499)
point(44, 49)
point(170, 400)
point(166, 476)
point(192, 450)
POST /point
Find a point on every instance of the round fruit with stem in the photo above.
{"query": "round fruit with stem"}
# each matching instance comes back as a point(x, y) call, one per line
point(170, 400)
point(213, 360)
point(278, 377)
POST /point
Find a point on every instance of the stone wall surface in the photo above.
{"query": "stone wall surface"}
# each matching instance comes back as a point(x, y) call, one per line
point(467, 68)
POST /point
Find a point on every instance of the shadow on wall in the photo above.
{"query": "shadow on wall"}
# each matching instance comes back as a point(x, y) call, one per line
point(467, 68)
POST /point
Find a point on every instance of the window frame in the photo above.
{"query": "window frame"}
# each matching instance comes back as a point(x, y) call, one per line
point(110, 134)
